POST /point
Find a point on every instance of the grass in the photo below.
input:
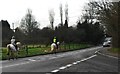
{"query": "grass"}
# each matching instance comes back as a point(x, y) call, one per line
point(38, 50)
point(114, 50)
point(23, 53)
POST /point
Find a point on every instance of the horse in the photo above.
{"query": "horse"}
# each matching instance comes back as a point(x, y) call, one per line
point(55, 47)
point(52, 49)
point(12, 51)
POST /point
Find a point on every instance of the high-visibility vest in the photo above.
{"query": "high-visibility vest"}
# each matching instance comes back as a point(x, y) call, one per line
point(54, 40)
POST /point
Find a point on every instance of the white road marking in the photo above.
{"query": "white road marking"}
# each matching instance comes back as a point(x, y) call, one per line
point(62, 67)
point(31, 60)
point(53, 57)
point(74, 63)
point(87, 58)
point(90, 57)
point(48, 73)
point(78, 61)
point(15, 65)
point(55, 71)
point(108, 55)
point(96, 52)
point(69, 65)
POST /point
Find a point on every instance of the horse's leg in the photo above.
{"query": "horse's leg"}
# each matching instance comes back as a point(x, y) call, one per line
point(9, 56)
point(16, 54)
point(54, 50)
point(12, 55)
point(9, 53)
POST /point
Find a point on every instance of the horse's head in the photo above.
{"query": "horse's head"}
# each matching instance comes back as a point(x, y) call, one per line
point(58, 43)
point(18, 44)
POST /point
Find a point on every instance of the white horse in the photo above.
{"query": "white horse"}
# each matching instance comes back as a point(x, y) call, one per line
point(53, 47)
point(13, 51)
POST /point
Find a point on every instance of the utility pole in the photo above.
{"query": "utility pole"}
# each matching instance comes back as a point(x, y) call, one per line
point(13, 27)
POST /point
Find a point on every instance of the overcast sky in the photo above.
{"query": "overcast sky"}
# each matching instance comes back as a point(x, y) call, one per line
point(15, 10)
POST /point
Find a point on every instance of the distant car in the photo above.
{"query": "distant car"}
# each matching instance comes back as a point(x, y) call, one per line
point(107, 42)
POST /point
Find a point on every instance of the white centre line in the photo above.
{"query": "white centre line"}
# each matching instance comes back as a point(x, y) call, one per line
point(78, 61)
point(69, 65)
point(74, 63)
point(62, 67)
point(55, 71)
point(89, 57)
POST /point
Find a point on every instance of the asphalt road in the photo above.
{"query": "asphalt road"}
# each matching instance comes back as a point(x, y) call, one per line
point(84, 60)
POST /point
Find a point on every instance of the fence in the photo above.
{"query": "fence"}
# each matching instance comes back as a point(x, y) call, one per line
point(32, 50)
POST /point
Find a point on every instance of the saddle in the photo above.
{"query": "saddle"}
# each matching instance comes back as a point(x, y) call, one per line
point(14, 46)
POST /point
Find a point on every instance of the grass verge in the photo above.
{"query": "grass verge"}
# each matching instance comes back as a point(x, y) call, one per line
point(114, 50)
point(34, 51)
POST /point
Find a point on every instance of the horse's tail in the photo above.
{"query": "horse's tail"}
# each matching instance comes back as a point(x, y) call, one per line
point(52, 47)
point(8, 49)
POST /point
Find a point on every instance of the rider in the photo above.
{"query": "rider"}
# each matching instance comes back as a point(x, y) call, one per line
point(55, 41)
point(13, 41)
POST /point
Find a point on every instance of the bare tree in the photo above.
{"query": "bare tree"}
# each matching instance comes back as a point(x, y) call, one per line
point(28, 23)
point(51, 17)
point(66, 15)
point(61, 14)
point(89, 12)
point(66, 11)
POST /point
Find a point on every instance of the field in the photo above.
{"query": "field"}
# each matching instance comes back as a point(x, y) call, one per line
point(34, 50)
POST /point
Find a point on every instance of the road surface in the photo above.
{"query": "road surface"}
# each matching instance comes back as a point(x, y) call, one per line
point(84, 60)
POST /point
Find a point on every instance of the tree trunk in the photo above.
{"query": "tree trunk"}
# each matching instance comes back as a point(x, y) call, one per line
point(119, 24)
point(115, 40)
point(116, 34)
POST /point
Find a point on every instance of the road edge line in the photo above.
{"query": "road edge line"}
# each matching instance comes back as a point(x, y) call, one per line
point(106, 55)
